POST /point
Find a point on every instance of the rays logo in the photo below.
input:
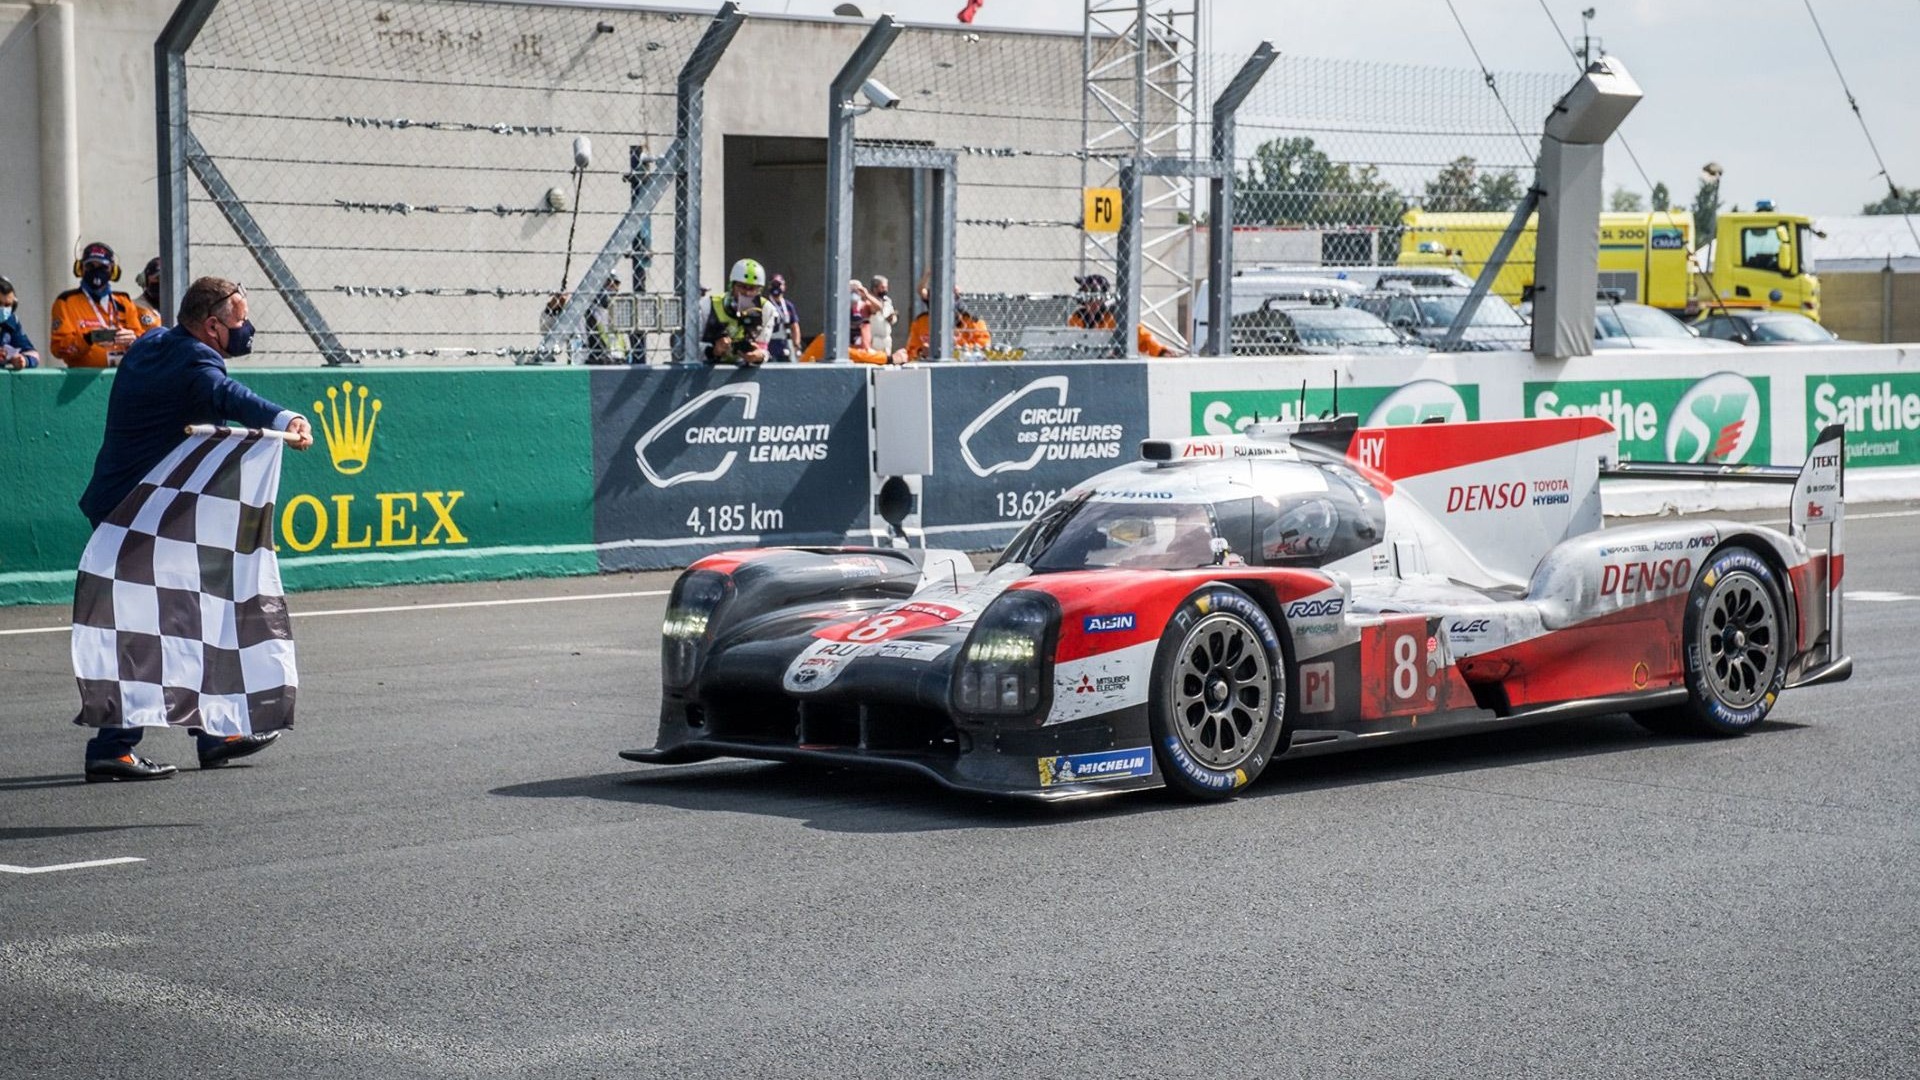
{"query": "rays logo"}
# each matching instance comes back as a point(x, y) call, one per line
point(1313, 609)
point(348, 427)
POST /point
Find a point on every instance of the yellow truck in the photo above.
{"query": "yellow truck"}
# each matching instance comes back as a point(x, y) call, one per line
point(1757, 258)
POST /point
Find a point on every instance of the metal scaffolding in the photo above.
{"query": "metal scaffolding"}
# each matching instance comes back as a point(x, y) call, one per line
point(1141, 101)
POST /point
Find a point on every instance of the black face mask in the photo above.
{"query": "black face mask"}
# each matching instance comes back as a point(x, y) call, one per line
point(240, 338)
point(96, 280)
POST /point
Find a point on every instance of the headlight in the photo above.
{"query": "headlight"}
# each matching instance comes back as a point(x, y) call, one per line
point(683, 635)
point(1004, 666)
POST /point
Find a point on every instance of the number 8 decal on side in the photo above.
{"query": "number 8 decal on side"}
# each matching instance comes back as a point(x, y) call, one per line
point(1402, 655)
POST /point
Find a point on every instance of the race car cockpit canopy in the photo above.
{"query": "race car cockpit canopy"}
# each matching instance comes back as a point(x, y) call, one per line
point(1260, 512)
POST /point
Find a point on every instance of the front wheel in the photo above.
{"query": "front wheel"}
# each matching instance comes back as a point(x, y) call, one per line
point(1737, 644)
point(1218, 701)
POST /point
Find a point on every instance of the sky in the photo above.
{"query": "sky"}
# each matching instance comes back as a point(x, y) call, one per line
point(1743, 83)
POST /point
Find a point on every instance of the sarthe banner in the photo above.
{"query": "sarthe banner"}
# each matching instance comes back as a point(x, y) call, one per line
point(178, 612)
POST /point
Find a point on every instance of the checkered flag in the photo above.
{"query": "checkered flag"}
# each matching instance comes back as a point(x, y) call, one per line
point(178, 613)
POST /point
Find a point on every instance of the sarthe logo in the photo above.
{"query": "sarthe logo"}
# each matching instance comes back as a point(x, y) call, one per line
point(348, 427)
point(749, 393)
point(1716, 420)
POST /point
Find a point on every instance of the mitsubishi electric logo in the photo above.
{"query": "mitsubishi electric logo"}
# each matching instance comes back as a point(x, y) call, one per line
point(1033, 424)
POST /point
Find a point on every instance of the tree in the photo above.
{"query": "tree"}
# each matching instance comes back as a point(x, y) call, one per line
point(1662, 198)
point(1897, 201)
point(1706, 210)
point(1460, 187)
point(1623, 201)
point(1289, 181)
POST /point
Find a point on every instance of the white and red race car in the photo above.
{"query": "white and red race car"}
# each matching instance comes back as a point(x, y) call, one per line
point(1184, 620)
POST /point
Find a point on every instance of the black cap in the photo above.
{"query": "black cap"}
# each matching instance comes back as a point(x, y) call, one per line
point(6, 284)
point(153, 267)
point(97, 252)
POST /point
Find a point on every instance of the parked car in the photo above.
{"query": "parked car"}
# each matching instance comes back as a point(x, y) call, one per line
point(1619, 325)
point(1426, 314)
point(1766, 328)
point(1286, 327)
point(1185, 619)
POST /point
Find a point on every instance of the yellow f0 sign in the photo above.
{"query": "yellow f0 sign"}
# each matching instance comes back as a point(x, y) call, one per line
point(1102, 210)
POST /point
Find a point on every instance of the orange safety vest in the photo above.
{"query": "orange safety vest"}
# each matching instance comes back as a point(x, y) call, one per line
point(968, 333)
point(1149, 344)
point(75, 315)
point(816, 351)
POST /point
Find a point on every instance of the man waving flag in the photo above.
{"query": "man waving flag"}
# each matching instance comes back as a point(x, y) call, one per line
point(178, 617)
point(178, 613)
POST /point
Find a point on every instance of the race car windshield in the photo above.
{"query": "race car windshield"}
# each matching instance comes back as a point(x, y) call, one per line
point(1085, 535)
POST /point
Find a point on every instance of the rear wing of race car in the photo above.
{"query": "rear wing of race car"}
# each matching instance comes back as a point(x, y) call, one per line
point(1819, 500)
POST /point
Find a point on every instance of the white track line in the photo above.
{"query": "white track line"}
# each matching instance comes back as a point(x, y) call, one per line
point(9, 868)
point(403, 607)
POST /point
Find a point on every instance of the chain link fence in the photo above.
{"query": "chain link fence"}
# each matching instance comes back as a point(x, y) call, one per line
point(1332, 156)
point(412, 162)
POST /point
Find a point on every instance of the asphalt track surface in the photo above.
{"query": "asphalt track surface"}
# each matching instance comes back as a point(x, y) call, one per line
point(445, 871)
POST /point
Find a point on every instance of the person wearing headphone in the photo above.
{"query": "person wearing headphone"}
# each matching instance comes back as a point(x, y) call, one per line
point(739, 323)
point(149, 298)
point(1095, 311)
point(94, 324)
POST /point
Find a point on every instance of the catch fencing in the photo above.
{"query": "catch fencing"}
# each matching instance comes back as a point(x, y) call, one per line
point(410, 166)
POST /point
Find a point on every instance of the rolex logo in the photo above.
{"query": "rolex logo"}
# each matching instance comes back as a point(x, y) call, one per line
point(348, 426)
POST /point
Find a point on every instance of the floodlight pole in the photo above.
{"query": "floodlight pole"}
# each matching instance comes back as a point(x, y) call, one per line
point(1220, 212)
point(841, 112)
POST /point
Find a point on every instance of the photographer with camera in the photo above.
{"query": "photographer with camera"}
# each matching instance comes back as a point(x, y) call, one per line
point(739, 324)
point(94, 324)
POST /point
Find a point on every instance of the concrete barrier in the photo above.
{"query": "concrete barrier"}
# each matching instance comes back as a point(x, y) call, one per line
point(481, 473)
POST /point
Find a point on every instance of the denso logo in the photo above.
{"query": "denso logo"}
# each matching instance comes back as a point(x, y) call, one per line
point(1655, 576)
point(1470, 626)
point(1313, 609)
point(1469, 498)
point(1104, 624)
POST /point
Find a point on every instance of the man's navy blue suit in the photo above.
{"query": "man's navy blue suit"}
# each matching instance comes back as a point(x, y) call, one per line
point(168, 380)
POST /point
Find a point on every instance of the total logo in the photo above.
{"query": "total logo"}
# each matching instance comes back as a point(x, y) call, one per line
point(347, 420)
point(1040, 426)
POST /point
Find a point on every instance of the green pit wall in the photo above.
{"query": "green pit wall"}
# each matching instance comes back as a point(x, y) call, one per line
point(515, 444)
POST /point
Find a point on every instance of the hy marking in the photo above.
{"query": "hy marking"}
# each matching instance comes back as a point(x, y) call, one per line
point(54, 966)
point(404, 607)
point(9, 868)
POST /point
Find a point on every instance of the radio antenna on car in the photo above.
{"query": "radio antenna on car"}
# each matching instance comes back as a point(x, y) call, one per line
point(1301, 409)
point(1336, 392)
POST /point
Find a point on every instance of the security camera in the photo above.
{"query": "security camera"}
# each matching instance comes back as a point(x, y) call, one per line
point(876, 92)
point(582, 152)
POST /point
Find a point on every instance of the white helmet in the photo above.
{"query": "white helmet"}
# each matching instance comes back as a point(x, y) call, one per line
point(748, 272)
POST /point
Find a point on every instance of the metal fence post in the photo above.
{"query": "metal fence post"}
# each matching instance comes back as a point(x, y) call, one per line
point(1220, 201)
point(1127, 261)
point(170, 95)
point(690, 139)
point(841, 112)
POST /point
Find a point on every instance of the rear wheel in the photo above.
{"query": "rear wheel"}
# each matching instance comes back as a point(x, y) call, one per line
point(1737, 644)
point(1218, 701)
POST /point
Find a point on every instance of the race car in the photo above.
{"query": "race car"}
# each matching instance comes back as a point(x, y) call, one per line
point(1183, 620)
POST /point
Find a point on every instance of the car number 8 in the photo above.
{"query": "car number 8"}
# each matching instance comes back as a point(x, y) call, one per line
point(878, 628)
point(1406, 667)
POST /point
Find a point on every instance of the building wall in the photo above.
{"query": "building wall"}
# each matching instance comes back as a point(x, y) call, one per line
point(1854, 306)
point(1008, 90)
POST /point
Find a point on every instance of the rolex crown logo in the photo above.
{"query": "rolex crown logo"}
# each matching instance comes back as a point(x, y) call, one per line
point(348, 426)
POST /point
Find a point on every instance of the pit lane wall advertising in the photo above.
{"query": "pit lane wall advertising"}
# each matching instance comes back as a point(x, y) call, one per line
point(1009, 438)
point(688, 461)
point(414, 476)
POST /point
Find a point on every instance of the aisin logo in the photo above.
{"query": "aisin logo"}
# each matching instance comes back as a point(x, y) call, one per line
point(348, 427)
